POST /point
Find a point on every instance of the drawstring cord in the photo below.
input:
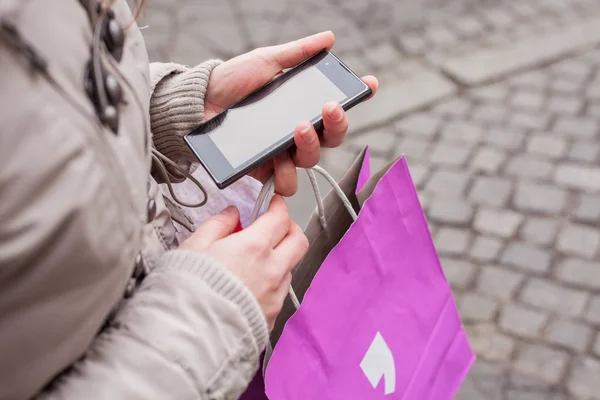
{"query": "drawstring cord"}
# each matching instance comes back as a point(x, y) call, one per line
point(160, 160)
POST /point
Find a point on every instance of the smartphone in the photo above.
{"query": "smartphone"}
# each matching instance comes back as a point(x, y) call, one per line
point(262, 124)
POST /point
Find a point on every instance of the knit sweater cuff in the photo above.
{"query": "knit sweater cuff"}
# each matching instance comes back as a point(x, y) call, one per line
point(224, 283)
point(177, 106)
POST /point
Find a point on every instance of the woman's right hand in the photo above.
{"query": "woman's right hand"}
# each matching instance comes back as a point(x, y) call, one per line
point(261, 256)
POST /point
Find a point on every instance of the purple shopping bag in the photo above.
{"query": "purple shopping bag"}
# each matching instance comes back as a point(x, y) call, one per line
point(378, 319)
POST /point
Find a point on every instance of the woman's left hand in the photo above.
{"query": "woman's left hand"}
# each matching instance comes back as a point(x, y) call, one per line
point(234, 79)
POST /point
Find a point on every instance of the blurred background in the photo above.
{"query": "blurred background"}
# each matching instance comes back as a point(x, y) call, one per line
point(496, 105)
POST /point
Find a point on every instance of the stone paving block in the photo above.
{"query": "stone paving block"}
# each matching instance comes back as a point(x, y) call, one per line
point(535, 79)
point(446, 181)
point(526, 257)
point(357, 63)
point(577, 176)
point(452, 241)
point(413, 148)
point(566, 86)
point(445, 153)
point(485, 249)
point(593, 90)
point(592, 313)
point(534, 50)
point(413, 44)
point(487, 342)
point(378, 162)
point(539, 230)
point(544, 362)
point(506, 138)
point(462, 131)
point(379, 140)
point(474, 307)
point(382, 55)
point(491, 191)
point(488, 159)
point(579, 272)
point(579, 240)
point(459, 273)
point(527, 100)
point(497, 92)
point(456, 107)
point(468, 26)
point(419, 124)
point(503, 223)
point(588, 208)
point(570, 334)
point(593, 110)
point(448, 210)
point(425, 200)
point(572, 69)
point(583, 380)
point(524, 9)
point(441, 36)
point(563, 104)
point(576, 127)
point(538, 122)
point(522, 321)
point(555, 298)
point(398, 97)
point(419, 174)
point(585, 151)
point(499, 18)
point(497, 282)
point(546, 145)
point(540, 198)
point(529, 167)
point(489, 113)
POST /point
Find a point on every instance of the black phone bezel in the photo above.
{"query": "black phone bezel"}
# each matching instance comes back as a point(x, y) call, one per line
point(213, 160)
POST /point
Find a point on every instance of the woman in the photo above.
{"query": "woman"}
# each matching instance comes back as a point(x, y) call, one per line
point(97, 298)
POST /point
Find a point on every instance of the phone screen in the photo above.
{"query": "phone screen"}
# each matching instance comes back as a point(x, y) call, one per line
point(265, 118)
point(262, 124)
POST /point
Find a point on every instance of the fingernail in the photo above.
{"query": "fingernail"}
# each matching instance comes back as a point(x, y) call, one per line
point(231, 210)
point(305, 133)
point(335, 112)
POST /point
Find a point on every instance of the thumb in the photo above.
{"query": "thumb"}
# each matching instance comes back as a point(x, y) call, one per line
point(216, 227)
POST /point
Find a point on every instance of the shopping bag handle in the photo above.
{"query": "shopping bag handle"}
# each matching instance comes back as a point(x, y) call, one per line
point(268, 191)
point(338, 190)
point(264, 199)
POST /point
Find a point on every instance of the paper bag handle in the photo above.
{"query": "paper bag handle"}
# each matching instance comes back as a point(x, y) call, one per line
point(264, 199)
point(338, 190)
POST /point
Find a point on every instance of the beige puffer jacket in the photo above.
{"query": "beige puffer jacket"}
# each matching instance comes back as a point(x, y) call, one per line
point(95, 300)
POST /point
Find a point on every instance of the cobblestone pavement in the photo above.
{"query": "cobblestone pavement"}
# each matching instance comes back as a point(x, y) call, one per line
point(496, 105)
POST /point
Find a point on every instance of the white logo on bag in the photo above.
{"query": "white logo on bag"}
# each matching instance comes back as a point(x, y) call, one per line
point(379, 363)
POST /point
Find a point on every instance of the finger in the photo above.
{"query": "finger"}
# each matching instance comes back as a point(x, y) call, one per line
point(373, 84)
point(273, 225)
point(293, 53)
point(293, 247)
point(252, 70)
point(286, 177)
point(263, 173)
point(308, 148)
point(335, 125)
point(214, 228)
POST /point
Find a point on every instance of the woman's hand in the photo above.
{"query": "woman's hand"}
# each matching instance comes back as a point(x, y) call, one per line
point(240, 76)
point(261, 256)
